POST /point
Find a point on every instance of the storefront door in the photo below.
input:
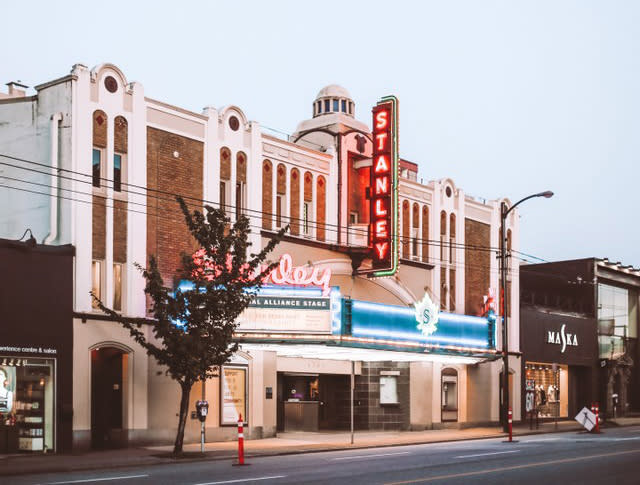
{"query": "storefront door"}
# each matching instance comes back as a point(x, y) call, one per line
point(106, 398)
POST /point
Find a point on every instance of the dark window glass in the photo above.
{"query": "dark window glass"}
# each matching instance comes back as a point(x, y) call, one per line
point(278, 211)
point(223, 196)
point(319, 107)
point(335, 105)
point(238, 200)
point(344, 106)
point(327, 105)
point(117, 172)
point(96, 167)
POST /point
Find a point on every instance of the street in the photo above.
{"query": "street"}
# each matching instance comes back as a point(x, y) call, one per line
point(611, 457)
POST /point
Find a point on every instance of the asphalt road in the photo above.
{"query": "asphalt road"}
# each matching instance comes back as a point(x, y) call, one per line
point(610, 458)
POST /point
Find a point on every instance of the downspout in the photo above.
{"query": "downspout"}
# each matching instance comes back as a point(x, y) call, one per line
point(53, 214)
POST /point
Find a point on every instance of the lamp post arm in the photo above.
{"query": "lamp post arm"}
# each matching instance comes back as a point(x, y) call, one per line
point(546, 194)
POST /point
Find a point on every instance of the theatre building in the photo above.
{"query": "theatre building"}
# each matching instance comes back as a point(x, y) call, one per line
point(383, 280)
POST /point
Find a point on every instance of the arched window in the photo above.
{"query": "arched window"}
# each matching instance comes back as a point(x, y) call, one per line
point(443, 235)
point(225, 176)
point(241, 183)
point(321, 191)
point(425, 233)
point(99, 147)
point(281, 194)
point(452, 238)
point(307, 204)
point(267, 194)
point(120, 146)
point(415, 216)
point(449, 395)
point(294, 209)
point(406, 227)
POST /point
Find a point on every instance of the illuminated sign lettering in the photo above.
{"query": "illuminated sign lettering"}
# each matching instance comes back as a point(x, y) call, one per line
point(384, 188)
point(283, 274)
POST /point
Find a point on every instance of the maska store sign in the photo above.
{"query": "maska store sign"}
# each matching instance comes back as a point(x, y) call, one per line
point(562, 338)
point(384, 188)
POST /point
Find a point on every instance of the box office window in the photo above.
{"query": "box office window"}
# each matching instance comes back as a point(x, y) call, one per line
point(233, 392)
point(27, 397)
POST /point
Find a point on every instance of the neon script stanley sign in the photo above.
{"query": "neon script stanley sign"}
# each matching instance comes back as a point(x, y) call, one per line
point(384, 188)
point(283, 274)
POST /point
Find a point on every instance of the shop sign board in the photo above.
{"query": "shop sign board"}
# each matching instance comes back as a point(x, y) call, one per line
point(287, 310)
point(562, 338)
point(384, 188)
point(586, 418)
point(234, 395)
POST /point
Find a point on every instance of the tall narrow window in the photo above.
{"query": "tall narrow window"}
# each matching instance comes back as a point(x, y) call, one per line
point(327, 105)
point(336, 107)
point(278, 210)
point(452, 238)
point(96, 164)
point(96, 281)
point(117, 172)
point(305, 218)
point(117, 286)
point(443, 236)
point(239, 199)
point(344, 106)
point(223, 196)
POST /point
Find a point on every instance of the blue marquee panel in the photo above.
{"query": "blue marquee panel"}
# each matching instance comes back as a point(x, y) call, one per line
point(396, 323)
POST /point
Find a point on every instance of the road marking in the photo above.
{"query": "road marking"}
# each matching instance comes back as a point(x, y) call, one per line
point(487, 454)
point(370, 456)
point(243, 480)
point(509, 468)
point(96, 479)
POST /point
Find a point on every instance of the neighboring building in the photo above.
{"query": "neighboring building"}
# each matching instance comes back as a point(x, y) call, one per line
point(90, 161)
point(36, 347)
point(583, 315)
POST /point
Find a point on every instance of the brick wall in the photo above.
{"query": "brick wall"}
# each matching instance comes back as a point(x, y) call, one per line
point(167, 234)
point(425, 233)
point(120, 231)
point(406, 225)
point(120, 142)
point(99, 219)
point(241, 167)
point(99, 129)
point(477, 264)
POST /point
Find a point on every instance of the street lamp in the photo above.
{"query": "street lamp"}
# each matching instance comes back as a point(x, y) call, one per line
point(504, 212)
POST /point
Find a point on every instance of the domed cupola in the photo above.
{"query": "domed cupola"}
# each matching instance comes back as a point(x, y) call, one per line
point(333, 99)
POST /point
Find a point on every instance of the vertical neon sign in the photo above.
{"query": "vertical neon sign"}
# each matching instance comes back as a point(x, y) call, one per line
point(384, 188)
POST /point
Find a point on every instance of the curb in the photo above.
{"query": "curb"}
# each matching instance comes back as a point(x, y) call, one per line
point(258, 454)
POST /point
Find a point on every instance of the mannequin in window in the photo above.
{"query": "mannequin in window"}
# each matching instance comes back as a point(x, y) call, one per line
point(6, 395)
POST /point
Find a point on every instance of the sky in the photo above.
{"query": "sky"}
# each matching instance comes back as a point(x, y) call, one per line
point(507, 98)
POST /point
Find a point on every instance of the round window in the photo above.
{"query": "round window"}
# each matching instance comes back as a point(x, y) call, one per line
point(111, 84)
point(234, 124)
point(448, 191)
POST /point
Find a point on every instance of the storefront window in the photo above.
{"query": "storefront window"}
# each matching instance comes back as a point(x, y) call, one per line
point(615, 306)
point(550, 387)
point(26, 404)
point(449, 395)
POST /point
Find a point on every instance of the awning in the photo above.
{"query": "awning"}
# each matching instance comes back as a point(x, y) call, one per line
point(330, 352)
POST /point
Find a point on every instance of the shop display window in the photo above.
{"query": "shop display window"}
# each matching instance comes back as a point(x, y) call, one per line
point(27, 404)
point(549, 389)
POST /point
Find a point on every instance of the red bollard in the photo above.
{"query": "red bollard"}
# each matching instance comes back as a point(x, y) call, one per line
point(510, 425)
point(597, 418)
point(240, 442)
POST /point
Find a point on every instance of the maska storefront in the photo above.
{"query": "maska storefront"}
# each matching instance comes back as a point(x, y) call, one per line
point(560, 363)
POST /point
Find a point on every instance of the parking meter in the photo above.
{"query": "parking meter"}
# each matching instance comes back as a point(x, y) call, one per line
point(202, 408)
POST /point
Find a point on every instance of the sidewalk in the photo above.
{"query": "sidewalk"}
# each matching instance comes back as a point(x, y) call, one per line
point(285, 443)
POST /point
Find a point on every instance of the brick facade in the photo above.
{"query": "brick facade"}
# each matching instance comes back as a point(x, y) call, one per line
point(321, 207)
point(167, 234)
point(99, 224)
point(477, 264)
point(119, 231)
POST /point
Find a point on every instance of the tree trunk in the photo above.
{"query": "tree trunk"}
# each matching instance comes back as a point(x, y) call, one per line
point(182, 420)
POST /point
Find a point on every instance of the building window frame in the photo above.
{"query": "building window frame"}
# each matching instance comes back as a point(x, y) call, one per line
point(97, 281)
point(97, 166)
